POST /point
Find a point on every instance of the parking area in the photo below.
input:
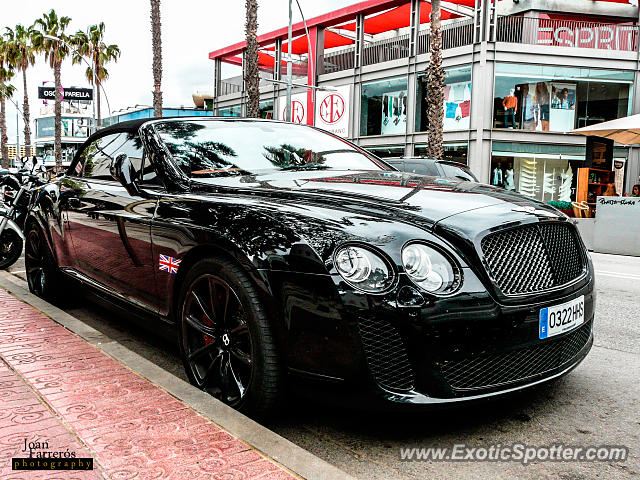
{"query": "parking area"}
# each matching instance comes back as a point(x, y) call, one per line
point(597, 404)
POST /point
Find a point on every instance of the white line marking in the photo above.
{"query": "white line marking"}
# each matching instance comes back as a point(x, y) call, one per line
point(629, 276)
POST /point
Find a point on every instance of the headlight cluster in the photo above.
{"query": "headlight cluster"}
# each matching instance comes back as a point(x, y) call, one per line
point(425, 266)
point(430, 269)
point(363, 269)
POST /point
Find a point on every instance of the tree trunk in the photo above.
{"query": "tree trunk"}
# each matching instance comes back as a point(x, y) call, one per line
point(97, 100)
point(252, 74)
point(57, 145)
point(156, 43)
point(435, 100)
point(26, 115)
point(4, 140)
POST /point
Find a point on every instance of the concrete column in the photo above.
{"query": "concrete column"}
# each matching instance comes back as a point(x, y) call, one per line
point(482, 91)
point(312, 72)
point(217, 82)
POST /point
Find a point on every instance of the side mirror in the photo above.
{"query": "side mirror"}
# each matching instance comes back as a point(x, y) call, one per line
point(122, 170)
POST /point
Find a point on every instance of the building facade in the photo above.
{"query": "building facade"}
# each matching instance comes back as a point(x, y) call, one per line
point(519, 77)
point(77, 122)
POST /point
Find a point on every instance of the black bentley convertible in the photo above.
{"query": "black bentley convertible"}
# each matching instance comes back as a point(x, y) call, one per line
point(277, 252)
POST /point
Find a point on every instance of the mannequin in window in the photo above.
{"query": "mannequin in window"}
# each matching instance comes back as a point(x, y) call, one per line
point(508, 178)
point(496, 178)
point(542, 103)
point(510, 104)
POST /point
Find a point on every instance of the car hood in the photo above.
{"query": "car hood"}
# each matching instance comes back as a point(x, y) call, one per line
point(406, 196)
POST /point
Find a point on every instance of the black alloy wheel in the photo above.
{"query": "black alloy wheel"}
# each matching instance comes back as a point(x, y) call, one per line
point(10, 248)
point(225, 339)
point(43, 276)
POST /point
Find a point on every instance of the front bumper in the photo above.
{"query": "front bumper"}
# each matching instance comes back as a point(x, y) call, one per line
point(470, 347)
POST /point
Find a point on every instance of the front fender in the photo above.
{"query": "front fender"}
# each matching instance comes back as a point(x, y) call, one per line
point(11, 225)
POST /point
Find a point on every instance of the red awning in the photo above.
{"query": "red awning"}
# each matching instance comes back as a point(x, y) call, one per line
point(399, 17)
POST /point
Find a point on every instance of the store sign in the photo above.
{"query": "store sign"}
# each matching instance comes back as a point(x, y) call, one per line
point(298, 108)
point(332, 110)
point(68, 94)
point(602, 37)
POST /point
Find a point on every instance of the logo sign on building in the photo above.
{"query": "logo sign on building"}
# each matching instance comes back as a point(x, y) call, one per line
point(332, 110)
point(68, 94)
point(298, 108)
point(601, 37)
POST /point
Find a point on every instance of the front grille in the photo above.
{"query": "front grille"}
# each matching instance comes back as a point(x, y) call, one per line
point(486, 371)
point(386, 354)
point(533, 258)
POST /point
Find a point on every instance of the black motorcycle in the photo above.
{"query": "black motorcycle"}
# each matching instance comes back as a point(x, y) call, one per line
point(15, 193)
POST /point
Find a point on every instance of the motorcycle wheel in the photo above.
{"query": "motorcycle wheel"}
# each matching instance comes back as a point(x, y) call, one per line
point(10, 248)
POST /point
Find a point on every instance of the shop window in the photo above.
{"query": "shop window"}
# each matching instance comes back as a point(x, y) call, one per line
point(457, 100)
point(266, 109)
point(558, 99)
point(384, 107)
point(453, 152)
point(235, 111)
point(387, 152)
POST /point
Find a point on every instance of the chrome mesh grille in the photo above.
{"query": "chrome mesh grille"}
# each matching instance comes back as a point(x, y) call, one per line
point(533, 258)
point(488, 371)
point(386, 354)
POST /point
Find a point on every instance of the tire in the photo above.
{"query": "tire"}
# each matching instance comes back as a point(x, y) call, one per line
point(43, 276)
point(235, 359)
point(10, 248)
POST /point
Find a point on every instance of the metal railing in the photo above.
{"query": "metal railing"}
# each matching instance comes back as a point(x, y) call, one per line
point(568, 33)
point(455, 35)
point(386, 50)
point(338, 61)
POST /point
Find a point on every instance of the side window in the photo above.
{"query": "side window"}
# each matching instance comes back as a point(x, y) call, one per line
point(95, 160)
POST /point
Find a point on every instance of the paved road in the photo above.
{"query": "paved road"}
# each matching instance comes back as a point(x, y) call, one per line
point(597, 404)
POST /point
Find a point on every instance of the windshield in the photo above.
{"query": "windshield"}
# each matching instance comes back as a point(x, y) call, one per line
point(459, 172)
point(213, 148)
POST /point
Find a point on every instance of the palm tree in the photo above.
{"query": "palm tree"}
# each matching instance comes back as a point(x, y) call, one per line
point(435, 100)
point(55, 50)
point(252, 75)
point(22, 55)
point(6, 91)
point(156, 43)
point(91, 45)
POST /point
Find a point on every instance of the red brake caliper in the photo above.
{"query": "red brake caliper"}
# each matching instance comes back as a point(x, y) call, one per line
point(207, 338)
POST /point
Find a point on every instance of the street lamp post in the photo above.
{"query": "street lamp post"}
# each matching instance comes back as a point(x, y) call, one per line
point(289, 65)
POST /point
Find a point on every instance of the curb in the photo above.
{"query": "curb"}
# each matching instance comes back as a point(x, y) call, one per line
point(288, 454)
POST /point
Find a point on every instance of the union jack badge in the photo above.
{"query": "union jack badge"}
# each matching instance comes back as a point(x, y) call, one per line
point(169, 264)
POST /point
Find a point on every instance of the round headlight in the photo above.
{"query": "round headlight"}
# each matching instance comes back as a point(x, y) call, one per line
point(430, 270)
point(363, 269)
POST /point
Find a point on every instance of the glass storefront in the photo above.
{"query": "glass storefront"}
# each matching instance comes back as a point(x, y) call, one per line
point(559, 99)
point(266, 109)
point(453, 152)
point(235, 111)
point(457, 100)
point(384, 107)
point(396, 151)
point(546, 172)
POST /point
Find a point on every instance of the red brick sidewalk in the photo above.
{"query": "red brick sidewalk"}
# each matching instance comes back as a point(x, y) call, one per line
point(58, 388)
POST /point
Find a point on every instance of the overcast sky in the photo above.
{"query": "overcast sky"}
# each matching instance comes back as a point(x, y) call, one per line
point(190, 30)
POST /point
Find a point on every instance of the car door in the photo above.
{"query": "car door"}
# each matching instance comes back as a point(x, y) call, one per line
point(110, 229)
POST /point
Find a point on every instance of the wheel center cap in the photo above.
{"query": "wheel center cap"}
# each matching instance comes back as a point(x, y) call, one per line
point(226, 340)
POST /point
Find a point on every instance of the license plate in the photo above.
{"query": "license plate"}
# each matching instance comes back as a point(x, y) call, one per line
point(561, 318)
